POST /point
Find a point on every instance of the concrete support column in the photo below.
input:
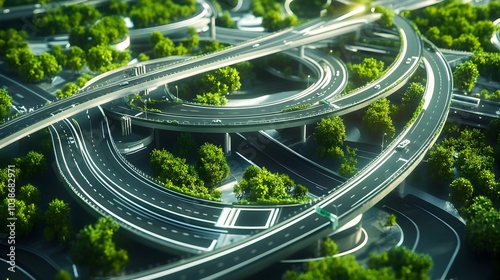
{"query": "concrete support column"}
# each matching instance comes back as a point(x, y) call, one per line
point(401, 188)
point(212, 27)
point(301, 54)
point(126, 124)
point(303, 133)
point(227, 144)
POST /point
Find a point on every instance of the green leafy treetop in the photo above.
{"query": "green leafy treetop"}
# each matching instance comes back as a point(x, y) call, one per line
point(94, 248)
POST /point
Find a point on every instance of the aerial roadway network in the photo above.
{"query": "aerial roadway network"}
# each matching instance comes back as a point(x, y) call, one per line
point(199, 232)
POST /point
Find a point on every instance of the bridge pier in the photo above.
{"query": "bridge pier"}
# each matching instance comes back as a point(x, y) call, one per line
point(126, 124)
point(303, 133)
point(401, 188)
point(301, 54)
point(227, 144)
point(212, 27)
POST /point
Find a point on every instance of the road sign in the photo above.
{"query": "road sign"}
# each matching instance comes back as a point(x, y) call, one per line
point(332, 217)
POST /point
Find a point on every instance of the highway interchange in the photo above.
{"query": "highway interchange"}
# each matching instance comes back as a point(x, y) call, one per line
point(96, 172)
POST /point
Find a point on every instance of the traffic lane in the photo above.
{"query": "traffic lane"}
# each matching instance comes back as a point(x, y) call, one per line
point(440, 234)
point(411, 231)
point(32, 263)
point(241, 254)
point(259, 155)
point(156, 198)
point(155, 226)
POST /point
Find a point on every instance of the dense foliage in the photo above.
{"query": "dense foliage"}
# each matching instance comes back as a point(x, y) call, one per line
point(377, 119)
point(212, 165)
point(458, 25)
point(329, 135)
point(180, 176)
point(264, 187)
point(397, 263)
point(94, 248)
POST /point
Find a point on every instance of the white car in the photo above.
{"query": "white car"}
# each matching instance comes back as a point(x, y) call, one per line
point(217, 121)
point(377, 87)
point(71, 140)
point(498, 112)
point(255, 45)
point(403, 144)
point(408, 61)
point(123, 83)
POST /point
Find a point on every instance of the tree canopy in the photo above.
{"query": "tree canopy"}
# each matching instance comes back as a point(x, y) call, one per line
point(377, 119)
point(465, 76)
point(212, 165)
point(330, 135)
point(94, 248)
point(263, 186)
point(5, 102)
point(57, 221)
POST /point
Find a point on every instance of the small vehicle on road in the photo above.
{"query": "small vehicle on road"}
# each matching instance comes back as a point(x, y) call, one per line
point(123, 83)
point(377, 87)
point(403, 144)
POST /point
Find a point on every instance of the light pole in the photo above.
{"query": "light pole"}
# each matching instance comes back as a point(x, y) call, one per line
point(177, 90)
point(146, 108)
point(382, 144)
point(308, 76)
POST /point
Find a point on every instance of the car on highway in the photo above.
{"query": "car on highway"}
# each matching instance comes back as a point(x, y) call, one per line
point(217, 121)
point(22, 109)
point(377, 87)
point(71, 140)
point(123, 83)
point(498, 112)
point(255, 45)
point(408, 60)
point(403, 144)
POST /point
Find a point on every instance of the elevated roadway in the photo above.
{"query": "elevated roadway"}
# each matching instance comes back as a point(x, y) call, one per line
point(97, 94)
point(354, 197)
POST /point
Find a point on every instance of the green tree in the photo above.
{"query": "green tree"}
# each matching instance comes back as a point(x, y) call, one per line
point(483, 227)
point(32, 70)
point(387, 16)
point(26, 216)
point(300, 191)
point(330, 135)
point(76, 58)
point(368, 70)
point(164, 47)
point(118, 7)
point(4, 182)
point(441, 163)
point(465, 76)
point(31, 164)
point(99, 58)
point(390, 221)
point(329, 248)
point(225, 20)
point(29, 194)
point(49, 64)
point(57, 221)
point(172, 169)
point(15, 58)
point(350, 162)
point(405, 263)
point(94, 248)
point(461, 193)
point(143, 57)
point(58, 52)
point(411, 98)
point(377, 119)
point(68, 90)
point(212, 164)
point(63, 275)
point(5, 102)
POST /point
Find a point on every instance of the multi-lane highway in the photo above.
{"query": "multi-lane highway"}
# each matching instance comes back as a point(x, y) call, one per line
point(357, 195)
point(97, 94)
point(353, 198)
